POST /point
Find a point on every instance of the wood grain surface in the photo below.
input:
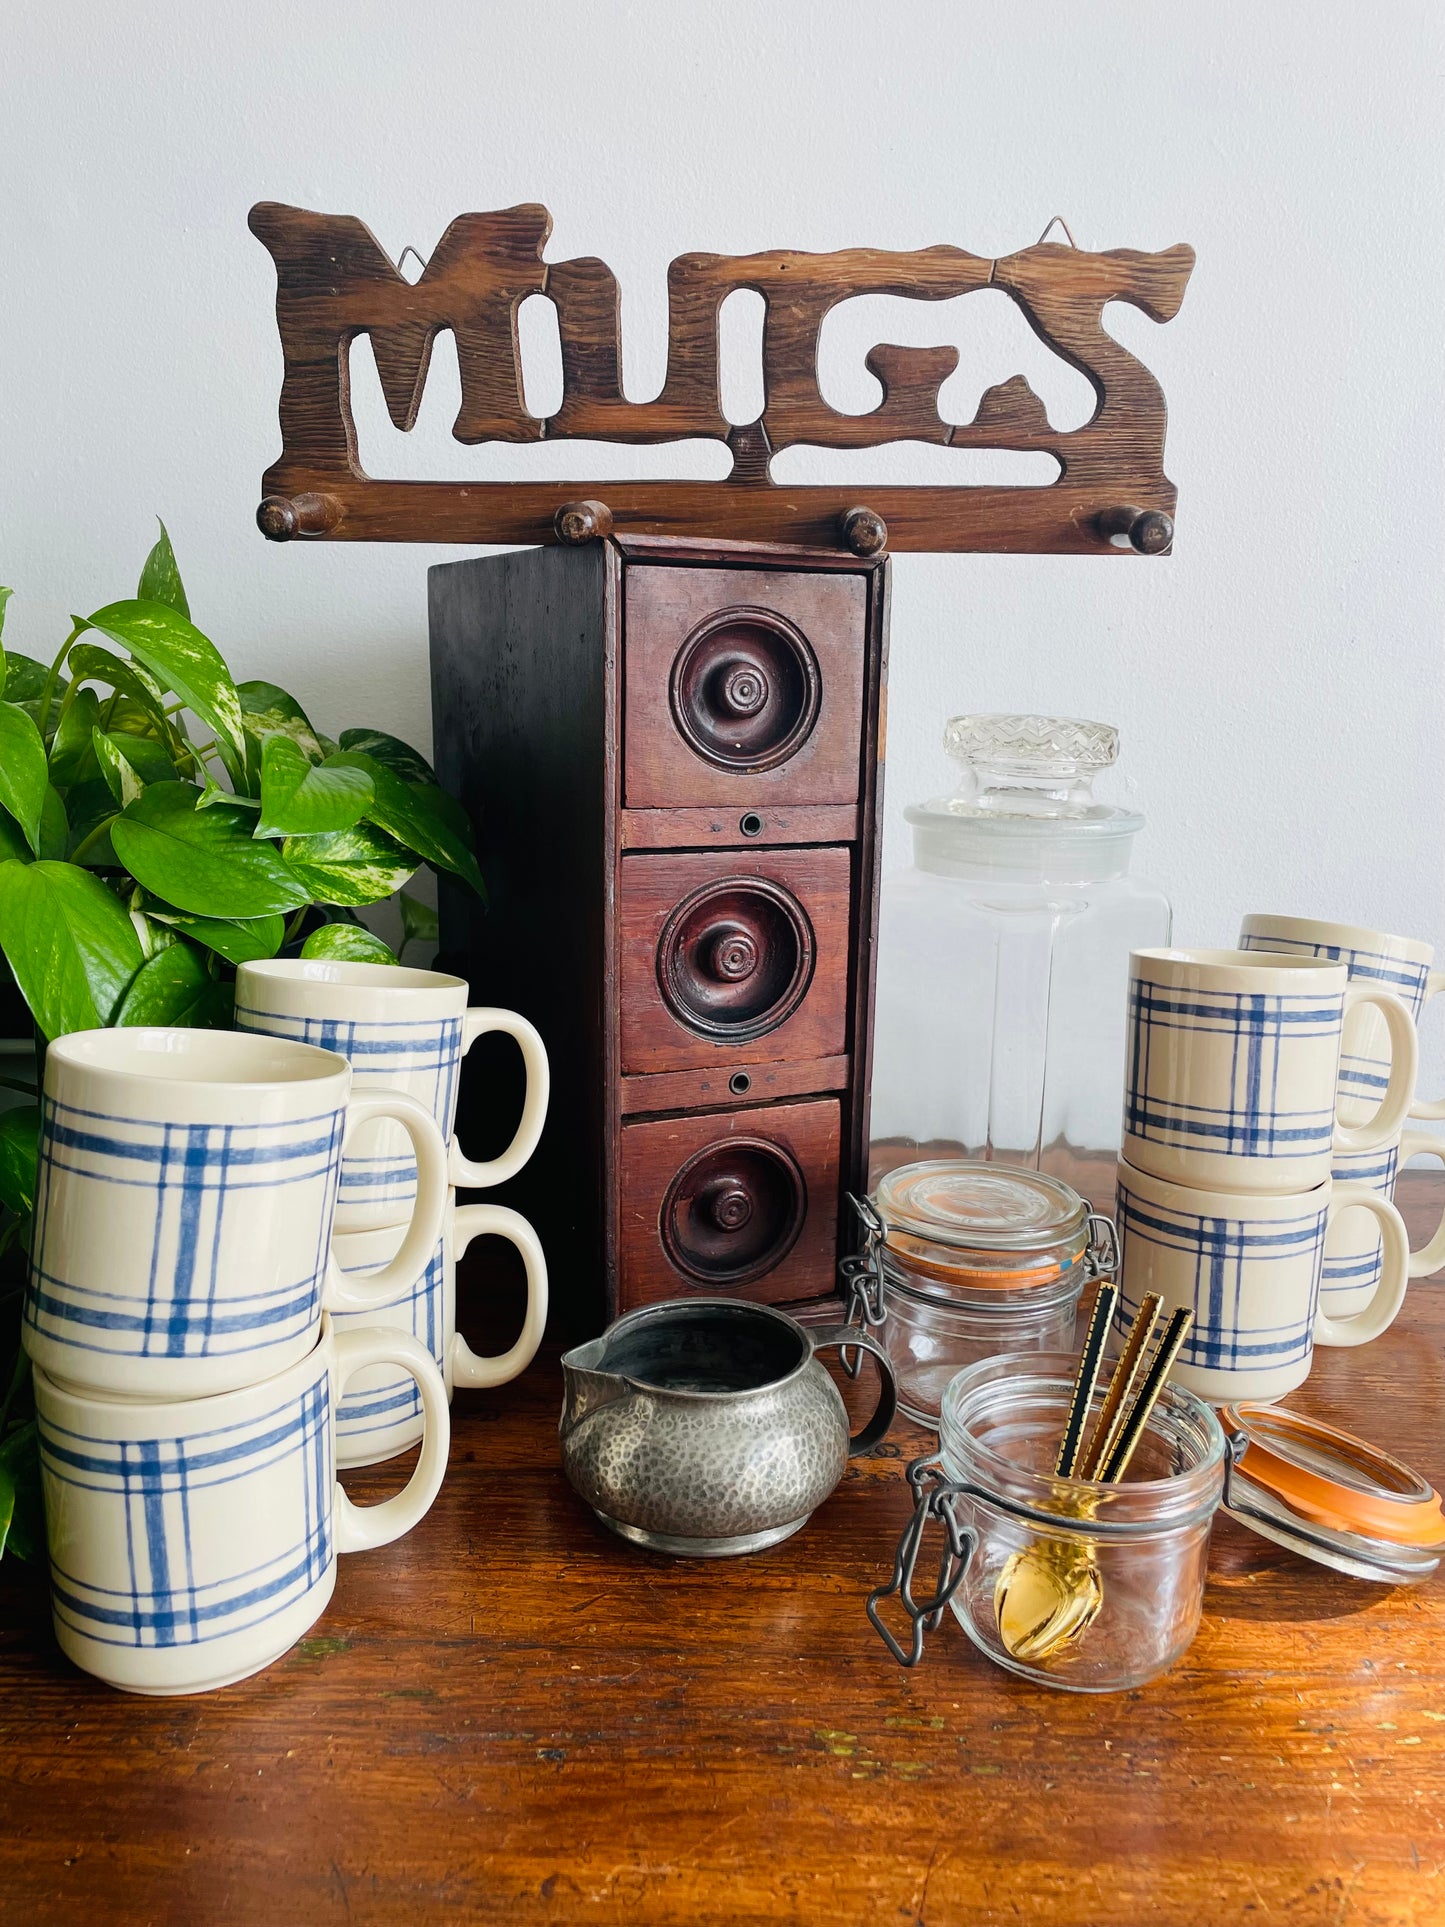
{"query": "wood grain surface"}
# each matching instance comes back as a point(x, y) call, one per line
point(334, 282)
point(663, 607)
point(811, 936)
point(511, 1716)
point(652, 1152)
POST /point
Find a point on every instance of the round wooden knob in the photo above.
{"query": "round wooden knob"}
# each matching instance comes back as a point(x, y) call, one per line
point(577, 522)
point(281, 518)
point(727, 1204)
point(733, 1212)
point(1152, 532)
point(744, 689)
point(276, 518)
point(734, 956)
point(864, 532)
point(1149, 531)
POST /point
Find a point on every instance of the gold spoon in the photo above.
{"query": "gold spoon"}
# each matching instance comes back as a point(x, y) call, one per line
point(1050, 1592)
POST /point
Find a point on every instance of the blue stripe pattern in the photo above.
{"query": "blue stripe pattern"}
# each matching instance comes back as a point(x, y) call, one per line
point(1362, 1076)
point(1356, 1265)
point(1260, 1028)
point(421, 1056)
point(387, 1398)
point(188, 1188)
point(1240, 1323)
point(223, 1529)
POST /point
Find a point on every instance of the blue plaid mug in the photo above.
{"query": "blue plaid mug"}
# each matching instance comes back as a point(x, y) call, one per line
point(192, 1543)
point(400, 1030)
point(1232, 1064)
point(1401, 964)
point(381, 1414)
point(1353, 1252)
point(1248, 1266)
point(183, 1208)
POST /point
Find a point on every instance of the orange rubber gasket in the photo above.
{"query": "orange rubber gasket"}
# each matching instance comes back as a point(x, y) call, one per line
point(990, 1279)
point(1402, 1521)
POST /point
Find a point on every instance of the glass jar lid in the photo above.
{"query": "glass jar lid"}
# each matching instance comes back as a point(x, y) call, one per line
point(1335, 1498)
point(959, 1222)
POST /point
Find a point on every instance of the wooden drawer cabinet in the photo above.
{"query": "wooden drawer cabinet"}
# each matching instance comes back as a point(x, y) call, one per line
point(742, 1201)
point(742, 954)
point(669, 753)
point(744, 687)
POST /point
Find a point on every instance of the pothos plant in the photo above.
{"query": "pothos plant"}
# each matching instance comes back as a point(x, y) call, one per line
point(161, 823)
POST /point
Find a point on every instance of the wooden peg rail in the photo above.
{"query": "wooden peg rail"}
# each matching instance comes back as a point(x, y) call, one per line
point(335, 282)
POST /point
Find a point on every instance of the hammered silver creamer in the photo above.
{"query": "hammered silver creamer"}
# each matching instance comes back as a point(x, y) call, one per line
point(706, 1426)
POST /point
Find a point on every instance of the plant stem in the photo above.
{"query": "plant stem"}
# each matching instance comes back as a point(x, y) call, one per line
point(77, 855)
point(293, 929)
point(54, 675)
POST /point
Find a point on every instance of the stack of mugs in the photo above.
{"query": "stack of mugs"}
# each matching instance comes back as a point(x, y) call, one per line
point(1353, 1255)
point(182, 1321)
point(1247, 1139)
point(243, 1274)
point(408, 1031)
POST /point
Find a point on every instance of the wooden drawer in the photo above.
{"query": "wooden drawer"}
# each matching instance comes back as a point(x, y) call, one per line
point(736, 954)
point(743, 687)
point(741, 1202)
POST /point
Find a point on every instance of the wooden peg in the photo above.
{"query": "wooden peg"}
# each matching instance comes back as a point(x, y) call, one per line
point(577, 522)
point(1150, 531)
point(864, 532)
point(281, 517)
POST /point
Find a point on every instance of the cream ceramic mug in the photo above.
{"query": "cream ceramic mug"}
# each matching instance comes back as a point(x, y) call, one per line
point(1231, 1068)
point(183, 1208)
point(192, 1543)
point(1400, 964)
point(1248, 1266)
point(399, 1029)
point(381, 1413)
point(1353, 1252)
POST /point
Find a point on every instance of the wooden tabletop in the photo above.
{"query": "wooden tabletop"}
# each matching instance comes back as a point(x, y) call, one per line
point(512, 1716)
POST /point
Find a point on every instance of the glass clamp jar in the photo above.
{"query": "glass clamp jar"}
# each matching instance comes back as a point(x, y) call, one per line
point(1139, 1546)
point(963, 1260)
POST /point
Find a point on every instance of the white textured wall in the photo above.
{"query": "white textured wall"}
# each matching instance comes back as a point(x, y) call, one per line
point(1278, 681)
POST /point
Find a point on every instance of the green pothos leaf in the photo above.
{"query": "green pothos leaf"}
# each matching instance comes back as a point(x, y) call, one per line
point(355, 866)
point(348, 941)
point(160, 579)
point(70, 943)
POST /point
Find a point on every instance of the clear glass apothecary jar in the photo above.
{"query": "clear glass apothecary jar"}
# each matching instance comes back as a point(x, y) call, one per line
point(1003, 957)
point(1135, 1552)
point(963, 1260)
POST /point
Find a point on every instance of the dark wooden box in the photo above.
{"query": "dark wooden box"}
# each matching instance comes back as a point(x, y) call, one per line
point(672, 756)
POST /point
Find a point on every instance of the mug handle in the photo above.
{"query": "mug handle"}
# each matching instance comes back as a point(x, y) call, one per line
point(1389, 1294)
point(351, 1291)
point(1404, 1068)
point(360, 1528)
point(495, 1220)
point(1431, 1255)
point(476, 1023)
point(1430, 1108)
point(845, 1337)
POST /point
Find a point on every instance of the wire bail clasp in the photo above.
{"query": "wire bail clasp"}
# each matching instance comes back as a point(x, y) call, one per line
point(862, 1274)
point(934, 1494)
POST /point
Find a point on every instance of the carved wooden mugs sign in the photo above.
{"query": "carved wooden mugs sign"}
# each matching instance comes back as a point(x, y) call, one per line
point(334, 282)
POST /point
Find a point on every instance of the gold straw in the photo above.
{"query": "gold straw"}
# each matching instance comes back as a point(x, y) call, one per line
point(1121, 1386)
point(1132, 1430)
point(1084, 1383)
